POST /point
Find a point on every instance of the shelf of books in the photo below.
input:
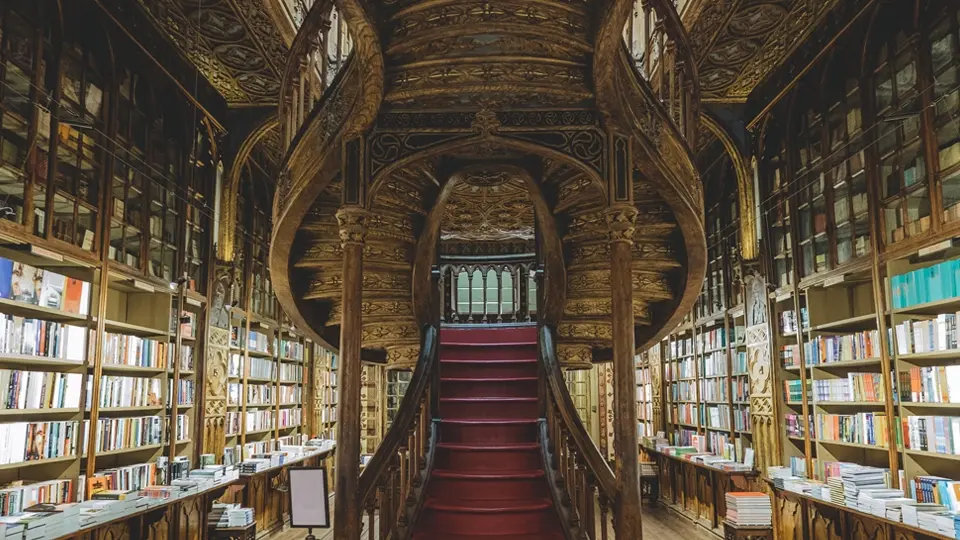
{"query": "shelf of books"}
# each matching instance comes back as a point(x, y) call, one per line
point(327, 390)
point(644, 362)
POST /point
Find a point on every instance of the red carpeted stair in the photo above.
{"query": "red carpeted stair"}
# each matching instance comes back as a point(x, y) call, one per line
point(488, 481)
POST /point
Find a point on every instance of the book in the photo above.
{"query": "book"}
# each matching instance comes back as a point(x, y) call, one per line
point(72, 293)
point(51, 290)
point(23, 285)
point(6, 277)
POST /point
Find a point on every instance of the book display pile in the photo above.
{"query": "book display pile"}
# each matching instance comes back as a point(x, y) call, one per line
point(745, 509)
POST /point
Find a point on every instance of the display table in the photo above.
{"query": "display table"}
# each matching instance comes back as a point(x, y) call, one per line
point(797, 516)
point(185, 517)
point(698, 491)
point(733, 532)
point(234, 533)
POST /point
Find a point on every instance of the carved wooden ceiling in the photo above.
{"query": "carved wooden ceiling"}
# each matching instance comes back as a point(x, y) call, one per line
point(234, 43)
point(488, 205)
point(738, 43)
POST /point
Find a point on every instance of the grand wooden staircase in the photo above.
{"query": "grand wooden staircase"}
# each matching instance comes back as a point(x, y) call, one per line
point(387, 108)
point(489, 474)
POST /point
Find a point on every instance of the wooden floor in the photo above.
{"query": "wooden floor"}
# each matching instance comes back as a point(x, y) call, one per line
point(658, 522)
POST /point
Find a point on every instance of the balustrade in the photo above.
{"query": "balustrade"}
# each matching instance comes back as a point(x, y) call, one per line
point(658, 47)
point(390, 483)
point(318, 54)
point(586, 484)
point(489, 291)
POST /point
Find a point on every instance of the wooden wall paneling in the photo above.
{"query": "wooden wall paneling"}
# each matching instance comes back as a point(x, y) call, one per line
point(863, 528)
point(825, 522)
point(706, 509)
point(788, 518)
point(191, 518)
point(158, 524)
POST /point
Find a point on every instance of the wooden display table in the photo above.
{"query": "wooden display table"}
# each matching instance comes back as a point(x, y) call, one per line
point(698, 491)
point(797, 516)
point(733, 532)
point(185, 518)
point(234, 533)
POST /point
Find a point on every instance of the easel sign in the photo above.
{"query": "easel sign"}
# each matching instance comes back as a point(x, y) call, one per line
point(309, 499)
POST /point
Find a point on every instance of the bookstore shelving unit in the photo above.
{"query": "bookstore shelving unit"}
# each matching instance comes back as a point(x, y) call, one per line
point(645, 423)
point(327, 390)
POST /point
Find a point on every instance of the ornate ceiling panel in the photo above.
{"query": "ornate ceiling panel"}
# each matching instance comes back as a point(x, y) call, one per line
point(738, 43)
point(488, 205)
point(234, 43)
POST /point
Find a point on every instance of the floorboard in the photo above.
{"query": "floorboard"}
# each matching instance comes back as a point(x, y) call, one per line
point(658, 522)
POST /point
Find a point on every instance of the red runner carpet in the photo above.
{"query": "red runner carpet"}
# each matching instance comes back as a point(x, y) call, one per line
point(488, 479)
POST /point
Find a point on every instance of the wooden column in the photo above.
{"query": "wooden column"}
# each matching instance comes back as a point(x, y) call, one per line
point(347, 511)
point(621, 222)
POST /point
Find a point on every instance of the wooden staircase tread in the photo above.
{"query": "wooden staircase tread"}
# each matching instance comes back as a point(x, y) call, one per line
point(494, 361)
point(528, 474)
point(488, 447)
point(489, 506)
point(498, 344)
point(542, 536)
point(489, 399)
point(489, 421)
point(487, 379)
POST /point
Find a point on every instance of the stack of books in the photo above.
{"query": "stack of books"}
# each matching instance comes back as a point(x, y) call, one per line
point(856, 478)
point(835, 484)
point(253, 466)
point(228, 516)
point(749, 509)
point(875, 501)
point(778, 474)
point(648, 469)
point(912, 510)
point(937, 522)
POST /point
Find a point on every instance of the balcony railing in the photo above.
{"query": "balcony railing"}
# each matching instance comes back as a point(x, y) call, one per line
point(318, 54)
point(658, 45)
point(489, 291)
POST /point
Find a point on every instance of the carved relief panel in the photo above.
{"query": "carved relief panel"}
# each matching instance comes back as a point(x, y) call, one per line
point(766, 441)
point(605, 407)
point(654, 362)
point(215, 391)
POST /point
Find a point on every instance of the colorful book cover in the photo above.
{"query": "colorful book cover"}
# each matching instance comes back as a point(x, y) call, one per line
point(23, 284)
point(6, 277)
point(51, 290)
point(72, 291)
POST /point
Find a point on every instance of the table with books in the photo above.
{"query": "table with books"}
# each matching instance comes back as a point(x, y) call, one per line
point(846, 508)
point(695, 484)
point(177, 510)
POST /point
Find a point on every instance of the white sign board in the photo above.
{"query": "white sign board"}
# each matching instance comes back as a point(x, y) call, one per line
point(309, 500)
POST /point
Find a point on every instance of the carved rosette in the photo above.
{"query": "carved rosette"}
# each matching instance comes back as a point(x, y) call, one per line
point(621, 223)
point(352, 223)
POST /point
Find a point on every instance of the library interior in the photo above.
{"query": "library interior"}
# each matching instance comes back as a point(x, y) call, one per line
point(479, 269)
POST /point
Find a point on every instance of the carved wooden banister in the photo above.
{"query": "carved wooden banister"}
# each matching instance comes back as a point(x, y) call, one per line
point(660, 50)
point(390, 485)
point(318, 54)
point(583, 481)
point(507, 296)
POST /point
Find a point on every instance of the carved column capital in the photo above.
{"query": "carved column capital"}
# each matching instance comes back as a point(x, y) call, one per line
point(621, 223)
point(352, 221)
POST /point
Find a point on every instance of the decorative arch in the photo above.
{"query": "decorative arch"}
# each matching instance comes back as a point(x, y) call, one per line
point(745, 193)
point(231, 187)
point(488, 140)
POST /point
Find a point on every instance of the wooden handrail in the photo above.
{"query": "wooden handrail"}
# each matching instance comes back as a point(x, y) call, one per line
point(389, 486)
point(569, 415)
point(581, 480)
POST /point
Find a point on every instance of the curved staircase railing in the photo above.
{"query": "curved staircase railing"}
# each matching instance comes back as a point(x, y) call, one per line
point(391, 484)
point(318, 53)
point(660, 51)
point(585, 485)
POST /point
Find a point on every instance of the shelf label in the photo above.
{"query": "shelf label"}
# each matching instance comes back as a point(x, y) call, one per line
point(193, 302)
point(835, 280)
point(782, 297)
point(936, 248)
point(46, 253)
point(137, 284)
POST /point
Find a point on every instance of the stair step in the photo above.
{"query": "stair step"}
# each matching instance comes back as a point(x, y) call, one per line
point(488, 387)
point(525, 517)
point(488, 369)
point(505, 485)
point(489, 408)
point(488, 351)
point(454, 536)
point(526, 333)
point(488, 431)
